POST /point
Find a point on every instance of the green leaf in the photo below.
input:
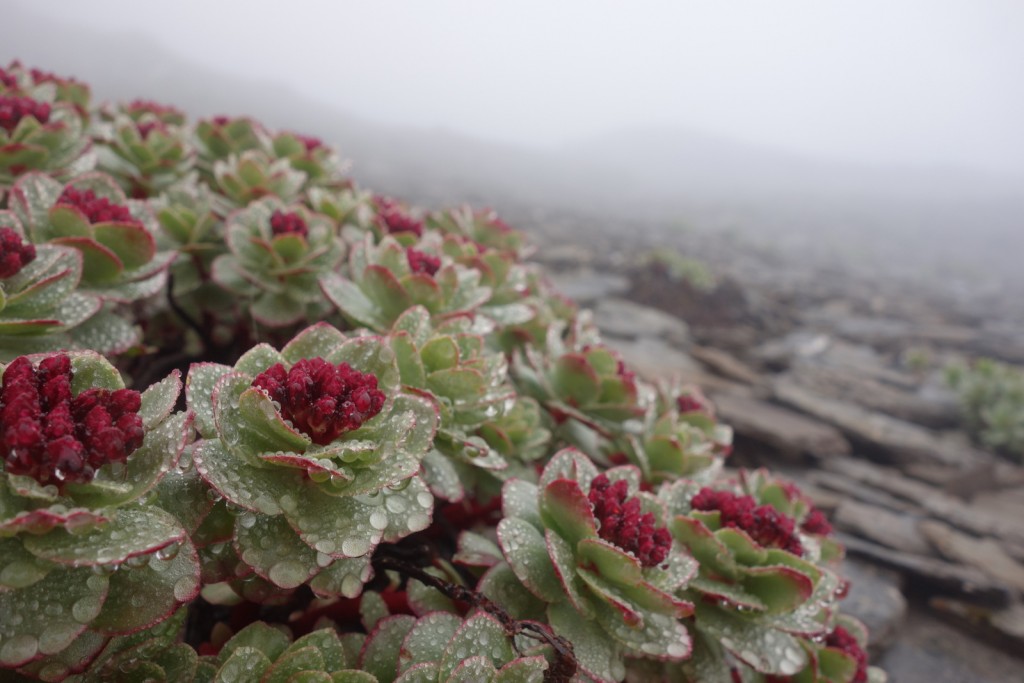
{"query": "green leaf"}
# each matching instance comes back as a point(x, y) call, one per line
point(766, 650)
point(258, 636)
point(264, 489)
point(781, 588)
point(519, 499)
point(327, 643)
point(130, 242)
point(316, 341)
point(500, 584)
point(90, 370)
point(351, 301)
point(380, 654)
point(343, 577)
point(564, 507)
point(574, 381)
point(480, 633)
point(143, 596)
point(268, 545)
point(18, 567)
point(68, 221)
point(243, 664)
point(199, 385)
point(292, 662)
point(427, 640)
point(598, 655)
point(276, 310)
point(258, 359)
point(662, 636)
point(521, 670)
point(48, 615)
point(264, 429)
point(562, 557)
point(100, 265)
point(524, 548)
point(159, 399)
point(611, 562)
point(130, 532)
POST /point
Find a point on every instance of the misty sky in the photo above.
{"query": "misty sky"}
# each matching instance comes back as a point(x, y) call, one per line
point(920, 82)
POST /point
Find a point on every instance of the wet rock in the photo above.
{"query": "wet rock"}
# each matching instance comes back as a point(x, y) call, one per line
point(891, 529)
point(627, 320)
point(931, 576)
point(986, 554)
point(853, 386)
point(786, 431)
point(654, 359)
point(586, 285)
point(876, 598)
point(778, 354)
point(898, 440)
point(725, 364)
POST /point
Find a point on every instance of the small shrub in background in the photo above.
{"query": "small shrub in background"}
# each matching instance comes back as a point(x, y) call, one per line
point(992, 398)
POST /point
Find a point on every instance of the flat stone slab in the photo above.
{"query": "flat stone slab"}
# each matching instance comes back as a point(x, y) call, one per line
point(628, 320)
point(787, 431)
point(986, 554)
point(725, 364)
point(587, 285)
point(876, 599)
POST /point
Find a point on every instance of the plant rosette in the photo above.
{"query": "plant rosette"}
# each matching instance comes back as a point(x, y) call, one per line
point(320, 163)
point(762, 587)
point(440, 647)
point(40, 307)
point(36, 135)
point(254, 174)
point(277, 254)
point(482, 227)
point(144, 146)
point(500, 272)
point(84, 554)
point(592, 551)
point(319, 448)
point(116, 236)
point(470, 383)
point(681, 438)
point(220, 137)
point(351, 207)
point(384, 280)
point(16, 79)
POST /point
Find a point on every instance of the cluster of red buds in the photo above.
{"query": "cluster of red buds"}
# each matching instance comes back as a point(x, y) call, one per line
point(14, 253)
point(763, 523)
point(14, 109)
point(394, 218)
point(282, 223)
point(815, 522)
point(843, 640)
point(323, 400)
point(620, 522)
point(420, 262)
point(8, 80)
point(96, 209)
point(310, 143)
point(56, 438)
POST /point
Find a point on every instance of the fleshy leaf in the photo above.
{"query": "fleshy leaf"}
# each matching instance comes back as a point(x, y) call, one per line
point(524, 549)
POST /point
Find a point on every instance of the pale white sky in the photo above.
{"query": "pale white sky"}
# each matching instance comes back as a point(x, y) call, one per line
point(896, 81)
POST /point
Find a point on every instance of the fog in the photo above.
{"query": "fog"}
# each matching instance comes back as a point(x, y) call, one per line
point(818, 118)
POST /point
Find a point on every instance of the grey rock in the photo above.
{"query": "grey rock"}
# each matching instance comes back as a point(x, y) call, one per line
point(901, 441)
point(654, 359)
point(891, 529)
point(986, 554)
point(586, 285)
point(627, 320)
point(725, 364)
point(786, 431)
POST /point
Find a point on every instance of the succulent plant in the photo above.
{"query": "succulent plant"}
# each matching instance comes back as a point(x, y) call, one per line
point(482, 227)
point(40, 308)
point(595, 551)
point(386, 279)
point(277, 255)
point(320, 447)
point(45, 86)
point(254, 174)
point(91, 214)
point(309, 155)
point(352, 208)
point(220, 137)
point(144, 146)
point(38, 136)
point(762, 586)
point(84, 556)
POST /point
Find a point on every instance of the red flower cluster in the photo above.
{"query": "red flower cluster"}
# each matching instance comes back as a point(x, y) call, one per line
point(147, 127)
point(842, 640)
point(8, 80)
point(166, 113)
point(394, 219)
point(96, 209)
point(420, 262)
point(282, 223)
point(56, 438)
point(310, 143)
point(815, 522)
point(14, 254)
point(14, 109)
point(620, 522)
point(693, 401)
point(763, 523)
point(321, 399)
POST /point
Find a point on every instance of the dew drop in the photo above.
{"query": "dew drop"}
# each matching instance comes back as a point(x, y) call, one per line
point(85, 609)
point(168, 552)
point(379, 520)
point(355, 547)
point(287, 574)
point(185, 588)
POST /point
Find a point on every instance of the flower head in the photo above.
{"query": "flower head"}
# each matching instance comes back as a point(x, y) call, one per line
point(765, 525)
point(620, 522)
point(420, 262)
point(283, 223)
point(395, 219)
point(14, 253)
point(843, 640)
point(14, 109)
point(321, 399)
point(54, 437)
point(96, 209)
